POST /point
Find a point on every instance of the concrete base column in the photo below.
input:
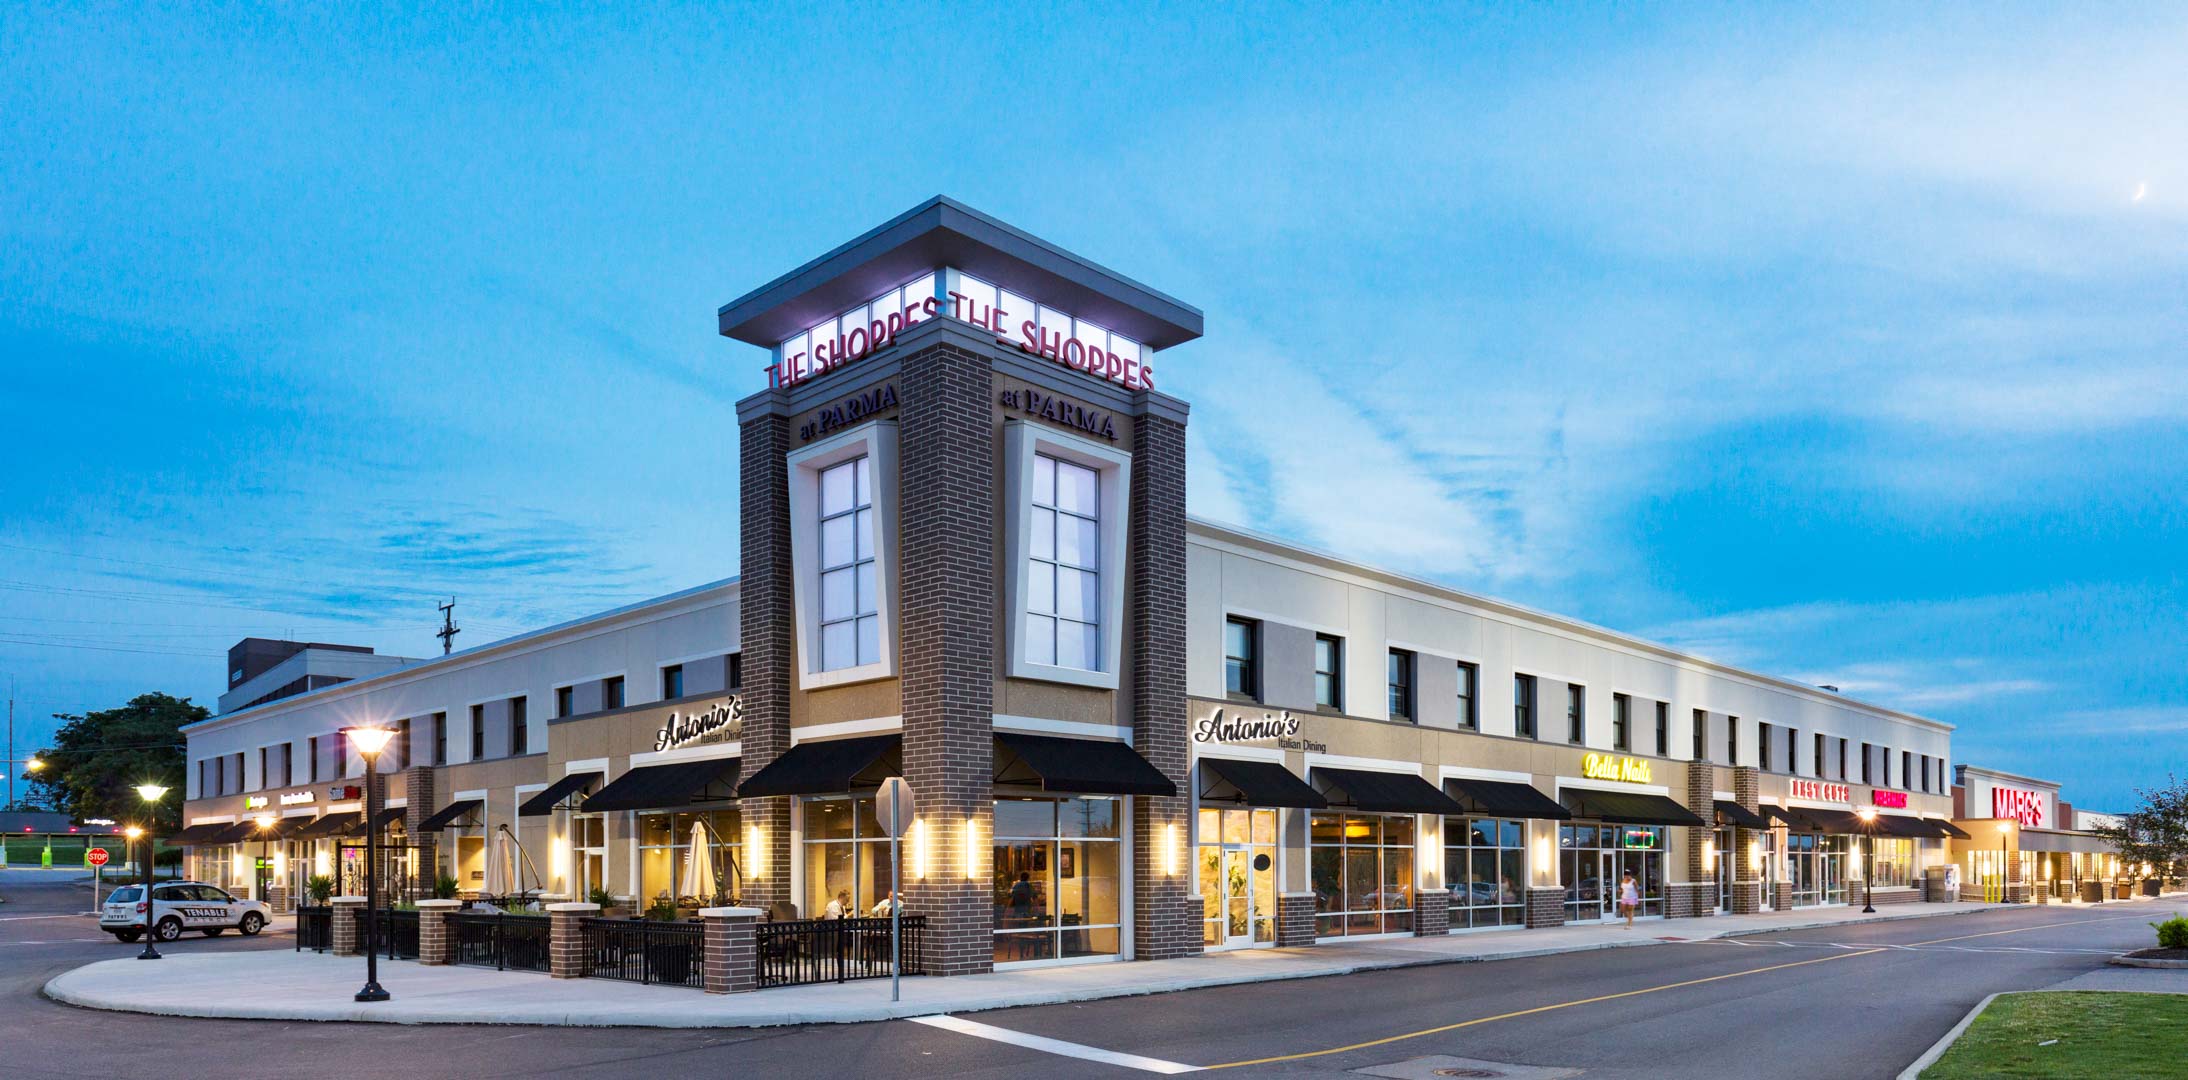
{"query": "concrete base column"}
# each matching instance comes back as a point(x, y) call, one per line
point(1545, 906)
point(732, 961)
point(1431, 913)
point(1747, 897)
point(348, 930)
point(1294, 920)
point(1689, 899)
point(435, 944)
point(566, 953)
point(277, 898)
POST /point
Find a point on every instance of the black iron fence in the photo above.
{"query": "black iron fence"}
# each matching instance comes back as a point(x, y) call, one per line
point(805, 951)
point(503, 942)
point(314, 928)
point(398, 934)
point(646, 951)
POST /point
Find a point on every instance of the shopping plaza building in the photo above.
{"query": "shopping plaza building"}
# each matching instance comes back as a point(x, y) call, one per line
point(964, 559)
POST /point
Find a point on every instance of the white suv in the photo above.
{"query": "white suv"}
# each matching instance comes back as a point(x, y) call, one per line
point(181, 905)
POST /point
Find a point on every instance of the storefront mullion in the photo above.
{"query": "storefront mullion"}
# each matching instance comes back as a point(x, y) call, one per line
point(1237, 875)
point(1058, 878)
point(1360, 866)
point(1485, 868)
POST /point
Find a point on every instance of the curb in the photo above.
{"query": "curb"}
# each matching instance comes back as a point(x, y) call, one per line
point(58, 989)
point(1937, 1049)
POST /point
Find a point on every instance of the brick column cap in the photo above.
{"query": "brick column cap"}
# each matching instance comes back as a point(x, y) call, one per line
point(574, 908)
point(439, 905)
point(357, 900)
point(730, 913)
point(1308, 895)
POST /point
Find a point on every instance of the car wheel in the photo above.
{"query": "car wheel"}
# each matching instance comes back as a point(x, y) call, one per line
point(252, 923)
point(129, 936)
point(168, 929)
point(214, 931)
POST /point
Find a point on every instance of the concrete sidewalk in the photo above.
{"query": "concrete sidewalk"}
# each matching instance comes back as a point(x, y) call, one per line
point(283, 985)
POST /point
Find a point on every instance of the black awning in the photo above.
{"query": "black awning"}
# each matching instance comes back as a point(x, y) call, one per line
point(1818, 820)
point(1504, 798)
point(1732, 813)
point(676, 784)
point(201, 833)
point(234, 832)
point(1629, 808)
point(1901, 825)
point(1257, 783)
point(1387, 793)
point(1792, 817)
point(388, 815)
point(1950, 829)
point(828, 768)
point(544, 802)
point(330, 825)
point(447, 815)
point(1076, 766)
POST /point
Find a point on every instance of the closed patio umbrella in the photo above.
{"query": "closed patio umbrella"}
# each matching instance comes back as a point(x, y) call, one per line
point(501, 864)
point(699, 866)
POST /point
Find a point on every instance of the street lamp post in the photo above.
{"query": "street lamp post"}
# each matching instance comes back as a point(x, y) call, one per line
point(369, 741)
point(1868, 815)
point(2005, 829)
point(151, 794)
point(259, 879)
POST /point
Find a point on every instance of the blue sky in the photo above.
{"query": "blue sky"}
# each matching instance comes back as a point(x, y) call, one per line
point(1848, 348)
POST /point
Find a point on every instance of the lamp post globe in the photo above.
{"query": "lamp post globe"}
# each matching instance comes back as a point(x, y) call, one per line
point(151, 794)
point(370, 741)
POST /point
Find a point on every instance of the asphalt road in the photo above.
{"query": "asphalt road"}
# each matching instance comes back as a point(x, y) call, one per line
point(1848, 1002)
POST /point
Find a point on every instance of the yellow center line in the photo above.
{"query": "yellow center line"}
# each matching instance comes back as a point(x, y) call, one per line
point(2026, 929)
point(1537, 1009)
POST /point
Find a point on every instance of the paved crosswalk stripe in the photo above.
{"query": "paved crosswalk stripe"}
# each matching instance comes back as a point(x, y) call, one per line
point(1054, 1046)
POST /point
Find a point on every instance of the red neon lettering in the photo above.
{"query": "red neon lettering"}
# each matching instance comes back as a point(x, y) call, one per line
point(931, 305)
point(957, 305)
point(1074, 353)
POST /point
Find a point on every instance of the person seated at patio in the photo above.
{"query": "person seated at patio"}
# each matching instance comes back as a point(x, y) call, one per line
point(840, 907)
point(888, 905)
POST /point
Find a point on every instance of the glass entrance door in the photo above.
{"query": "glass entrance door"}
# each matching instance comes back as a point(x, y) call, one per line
point(1237, 877)
point(1611, 885)
point(1724, 869)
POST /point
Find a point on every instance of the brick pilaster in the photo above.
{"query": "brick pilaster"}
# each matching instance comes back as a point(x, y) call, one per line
point(1294, 920)
point(1545, 906)
point(947, 606)
point(348, 930)
point(421, 804)
point(1747, 897)
point(766, 629)
point(732, 962)
point(1166, 923)
point(435, 944)
point(1431, 912)
point(1702, 800)
point(567, 956)
point(1749, 892)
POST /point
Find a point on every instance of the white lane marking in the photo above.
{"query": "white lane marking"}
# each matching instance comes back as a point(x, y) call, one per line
point(1054, 1046)
point(27, 918)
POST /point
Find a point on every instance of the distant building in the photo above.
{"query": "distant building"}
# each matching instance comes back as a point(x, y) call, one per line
point(266, 669)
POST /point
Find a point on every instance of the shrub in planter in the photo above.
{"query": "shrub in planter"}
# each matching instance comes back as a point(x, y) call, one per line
point(321, 888)
point(444, 888)
point(2172, 933)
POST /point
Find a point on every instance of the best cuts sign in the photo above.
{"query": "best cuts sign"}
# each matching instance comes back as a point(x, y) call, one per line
point(2019, 804)
point(1821, 791)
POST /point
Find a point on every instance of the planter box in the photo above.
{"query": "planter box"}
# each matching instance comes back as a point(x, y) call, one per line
point(2150, 887)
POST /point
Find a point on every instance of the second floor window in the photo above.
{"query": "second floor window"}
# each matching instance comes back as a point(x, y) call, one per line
point(311, 748)
point(850, 599)
point(1523, 706)
point(1063, 602)
point(611, 692)
point(1906, 768)
point(1242, 659)
point(1621, 723)
point(565, 700)
point(672, 682)
point(1732, 742)
point(1701, 735)
point(1763, 746)
point(478, 732)
point(1663, 729)
point(1576, 714)
point(440, 738)
point(520, 731)
point(1401, 685)
point(1866, 756)
point(1817, 765)
point(1329, 678)
point(1469, 707)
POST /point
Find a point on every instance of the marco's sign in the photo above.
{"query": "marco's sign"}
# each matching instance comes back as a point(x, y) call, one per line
point(1627, 770)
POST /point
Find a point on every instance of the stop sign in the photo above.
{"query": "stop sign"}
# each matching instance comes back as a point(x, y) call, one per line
point(96, 856)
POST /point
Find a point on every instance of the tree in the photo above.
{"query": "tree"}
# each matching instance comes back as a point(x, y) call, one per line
point(2155, 832)
point(98, 759)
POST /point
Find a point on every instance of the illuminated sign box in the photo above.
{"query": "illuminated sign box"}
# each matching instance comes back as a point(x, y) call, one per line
point(1626, 770)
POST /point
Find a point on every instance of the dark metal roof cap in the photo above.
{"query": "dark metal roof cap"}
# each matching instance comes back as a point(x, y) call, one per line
point(944, 232)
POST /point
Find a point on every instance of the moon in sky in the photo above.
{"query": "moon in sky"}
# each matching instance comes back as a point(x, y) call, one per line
point(2140, 191)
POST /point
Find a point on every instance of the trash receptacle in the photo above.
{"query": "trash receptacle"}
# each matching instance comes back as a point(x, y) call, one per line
point(2093, 892)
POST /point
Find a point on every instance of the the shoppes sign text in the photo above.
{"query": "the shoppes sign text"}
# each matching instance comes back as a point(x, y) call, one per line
point(1818, 790)
point(1896, 799)
point(1222, 727)
point(1612, 767)
point(2020, 804)
point(849, 411)
point(1056, 410)
point(724, 718)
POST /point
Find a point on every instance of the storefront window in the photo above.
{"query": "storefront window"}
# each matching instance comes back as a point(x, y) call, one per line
point(1361, 869)
point(664, 846)
point(846, 858)
point(1892, 864)
point(1593, 859)
point(1059, 878)
point(1816, 868)
point(1237, 865)
point(1485, 864)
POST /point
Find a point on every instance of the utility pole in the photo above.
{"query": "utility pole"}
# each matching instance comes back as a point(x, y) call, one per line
point(11, 742)
point(447, 632)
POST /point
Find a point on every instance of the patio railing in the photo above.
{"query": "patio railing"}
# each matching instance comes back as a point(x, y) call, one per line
point(314, 928)
point(646, 951)
point(502, 942)
point(398, 933)
point(806, 951)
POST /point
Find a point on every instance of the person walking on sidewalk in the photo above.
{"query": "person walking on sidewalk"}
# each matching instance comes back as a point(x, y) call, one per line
point(1629, 897)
